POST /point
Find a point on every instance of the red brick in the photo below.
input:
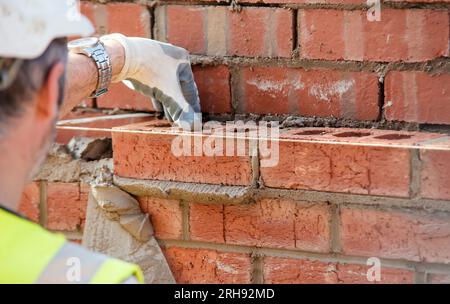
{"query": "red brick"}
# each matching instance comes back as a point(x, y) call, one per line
point(340, 168)
point(265, 224)
point(417, 97)
point(260, 32)
point(364, 137)
point(402, 35)
point(66, 206)
point(357, 274)
point(129, 19)
point(278, 90)
point(29, 203)
point(272, 223)
point(305, 271)
point(216, 30)
point(147, 155)
point(165, 215)
point(439, 278)
point(185, 27)
point(435, 177)
point(280, 224)
point(312, 228)
point(213, 84)
point(200, 266)
point(206, 223)
point(298, 271)
point(121, 97)
point(396, 235)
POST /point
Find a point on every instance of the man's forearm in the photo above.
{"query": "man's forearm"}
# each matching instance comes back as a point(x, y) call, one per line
point(82, 75)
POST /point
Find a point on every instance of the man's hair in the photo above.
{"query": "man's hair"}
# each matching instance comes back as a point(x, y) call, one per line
point(30, 78)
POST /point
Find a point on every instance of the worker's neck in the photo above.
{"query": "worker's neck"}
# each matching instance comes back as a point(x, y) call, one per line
point(13, 174)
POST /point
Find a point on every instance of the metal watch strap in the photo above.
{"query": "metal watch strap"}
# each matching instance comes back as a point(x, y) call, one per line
point(103, 62)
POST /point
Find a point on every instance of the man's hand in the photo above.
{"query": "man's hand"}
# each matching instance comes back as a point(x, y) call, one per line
point(163, 72)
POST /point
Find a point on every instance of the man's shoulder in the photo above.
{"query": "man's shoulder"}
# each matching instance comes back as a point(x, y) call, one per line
point(55, 259)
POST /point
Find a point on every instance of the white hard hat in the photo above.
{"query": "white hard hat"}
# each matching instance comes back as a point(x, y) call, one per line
point(28, 26)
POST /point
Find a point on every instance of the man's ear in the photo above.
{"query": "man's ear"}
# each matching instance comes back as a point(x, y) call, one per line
point(47, 102)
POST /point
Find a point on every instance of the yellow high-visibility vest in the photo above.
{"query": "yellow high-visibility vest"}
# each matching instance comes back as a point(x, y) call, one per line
point(31, 254)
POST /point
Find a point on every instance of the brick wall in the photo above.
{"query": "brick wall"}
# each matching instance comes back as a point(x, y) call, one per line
point(57, 206)
point(287, 57)
point(337, 196)
point(318, 59)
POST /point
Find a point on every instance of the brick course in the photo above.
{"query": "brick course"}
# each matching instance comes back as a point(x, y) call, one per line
point(218, 31)
point(396, 235)
point(402, 35)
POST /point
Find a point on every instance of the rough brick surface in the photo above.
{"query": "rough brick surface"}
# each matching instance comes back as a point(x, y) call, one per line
point(313, 228)
point(417, 97)
point(280, 224)
point(320, 92)
point(129, 19)
point(435, 177)
point(270, 33)
point(406, 35)
point(165, 216)
point(357, 274)
point(267, 223)
point(29, 203)
point(218, 31)
point(184, 27)
point(206, 223)
point(304, 271)
point(297, 271)
point(66, 206)
point(340, 168)
point(397, 235)
point(438, 278)
point(149, 156)
point(208, 266)
point(213, 84)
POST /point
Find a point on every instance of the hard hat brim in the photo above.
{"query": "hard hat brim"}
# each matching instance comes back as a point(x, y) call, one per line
point(32, 37)
point(35, 47)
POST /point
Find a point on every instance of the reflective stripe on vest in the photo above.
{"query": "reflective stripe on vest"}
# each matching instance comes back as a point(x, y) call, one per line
point(30, 254)
point(72, 264)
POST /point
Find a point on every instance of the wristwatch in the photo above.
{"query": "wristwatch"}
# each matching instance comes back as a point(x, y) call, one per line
point(95, 49)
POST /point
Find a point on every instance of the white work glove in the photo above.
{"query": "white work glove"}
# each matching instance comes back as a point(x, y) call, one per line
point(163, 72)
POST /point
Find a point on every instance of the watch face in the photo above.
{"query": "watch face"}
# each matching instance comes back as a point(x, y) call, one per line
point(83, 43)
